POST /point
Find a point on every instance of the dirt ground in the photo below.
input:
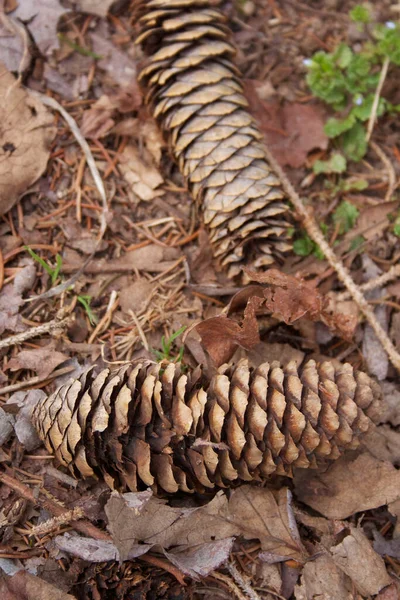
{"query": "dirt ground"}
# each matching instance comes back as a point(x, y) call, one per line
point(151, 274)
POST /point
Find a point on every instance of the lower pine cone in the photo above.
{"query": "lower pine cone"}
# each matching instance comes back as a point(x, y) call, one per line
point(150, 424)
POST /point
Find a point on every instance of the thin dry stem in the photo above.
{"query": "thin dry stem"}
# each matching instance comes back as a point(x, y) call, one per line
point(53, 327)
point(317, 236)
point(231, 585)
point(55, 522)
point(34, 381)
point(52, 103)
point(375, 103)
point(389, 168)
point(242, 582)
point(393, 273)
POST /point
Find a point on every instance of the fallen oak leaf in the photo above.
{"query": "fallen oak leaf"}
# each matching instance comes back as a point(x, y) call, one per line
point(291, 298)
point(221, 335)
point(26, 133)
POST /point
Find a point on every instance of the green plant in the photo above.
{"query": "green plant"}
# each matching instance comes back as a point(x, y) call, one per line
point(52, 271)
point(304, 245)
point(166, 347)
point(85, 300)
point(345, 216)
point(347, 80)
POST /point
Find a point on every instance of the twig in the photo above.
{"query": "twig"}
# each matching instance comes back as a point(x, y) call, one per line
point(24, 491)
point(58, 289)
point(317, 236)
point(105, 320)
point(231, 585)
point(75, 514)
point(34, 381)
point(375, 103)
point(164, 564)
point(50, 327)
point(16, 27)
point(380, 281)
point(389, 168)
point(242, 583)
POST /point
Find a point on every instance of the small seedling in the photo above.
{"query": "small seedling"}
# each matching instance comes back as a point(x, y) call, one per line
point(166, 348)
point(85, 300)
point(52, 271)
point(347, 80)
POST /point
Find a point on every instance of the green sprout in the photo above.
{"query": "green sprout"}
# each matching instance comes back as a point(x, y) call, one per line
point(52, 271)
point(85, 300)
point(166, 348)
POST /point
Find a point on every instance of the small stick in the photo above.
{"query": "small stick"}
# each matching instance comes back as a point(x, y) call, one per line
point(166, 565)
point(393, 273)
point(75, 514)
point(231, 585)
point(51, 327)
point(389, 168)
point(24, 491)
point(375, 103)
point(242, 582)
point(34, 381)
point(317, 236)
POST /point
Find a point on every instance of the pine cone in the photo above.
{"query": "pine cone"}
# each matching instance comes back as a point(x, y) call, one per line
point(195, 93)
point(148, 424)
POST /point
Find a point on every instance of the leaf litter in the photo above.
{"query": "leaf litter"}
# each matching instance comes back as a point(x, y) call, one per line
point(148, 263)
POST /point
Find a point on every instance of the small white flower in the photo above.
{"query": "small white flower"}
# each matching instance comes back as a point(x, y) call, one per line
point(359, 100)
point(307, 62)
point(390, 25)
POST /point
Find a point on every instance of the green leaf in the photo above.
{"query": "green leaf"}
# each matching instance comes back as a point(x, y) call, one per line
point(335, 164)
point(85, 300)
point(360, 14)
point(396, 227)
point(354, 142)
point(363, 111)
point(354, 184)
point(335, 127)
point(343, 55)
point(389, 45)
point(303, 246)
point(345, 215)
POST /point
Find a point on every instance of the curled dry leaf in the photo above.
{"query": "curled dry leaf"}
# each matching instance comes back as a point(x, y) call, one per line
point(11, 298)
point(198, 539)
point(354, 483)
point(356, 557)
point(26, 134)
point(221, 335)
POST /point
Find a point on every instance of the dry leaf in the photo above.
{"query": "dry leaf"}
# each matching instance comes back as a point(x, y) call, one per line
point(94, 7)
point(24, 430)
point(97, 120)
point(291, 130)
point(323, 580)
point(221, 335)
point(142, 177)
point(6, 426)
point(199, 539)
point(391, 403)
point(354, 483)
point(117, 64)
point(136, 295)
point(12, 44)
point(41, 360)
point(26, 134)
point(355, 557)
point(41, 20)
point(386, 547)
point(11, 299)
point(392, 592)
point(24, 586)
point(151, 258)
point(87, 548)
point(260, 514)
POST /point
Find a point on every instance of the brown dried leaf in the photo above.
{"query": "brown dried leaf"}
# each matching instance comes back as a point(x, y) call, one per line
point(11, 299)
point(142, 177)
point(259, 514)
point(291, 298)
point(322, 579)
point(24, 586)
point(94, 7)
point(12, 43)
point(136, 296)
point(117, 64)
point(42, 19)
point(41, 360)
point(201, 537)
point(291, 130)
point(221, 335)
point(355, 557)
point(26, 133)
point(354, 483)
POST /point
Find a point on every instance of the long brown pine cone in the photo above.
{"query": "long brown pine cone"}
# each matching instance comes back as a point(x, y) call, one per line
point(195, 92)
point(151, 425)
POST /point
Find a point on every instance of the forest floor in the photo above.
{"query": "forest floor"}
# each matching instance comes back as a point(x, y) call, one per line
point(142, 272)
